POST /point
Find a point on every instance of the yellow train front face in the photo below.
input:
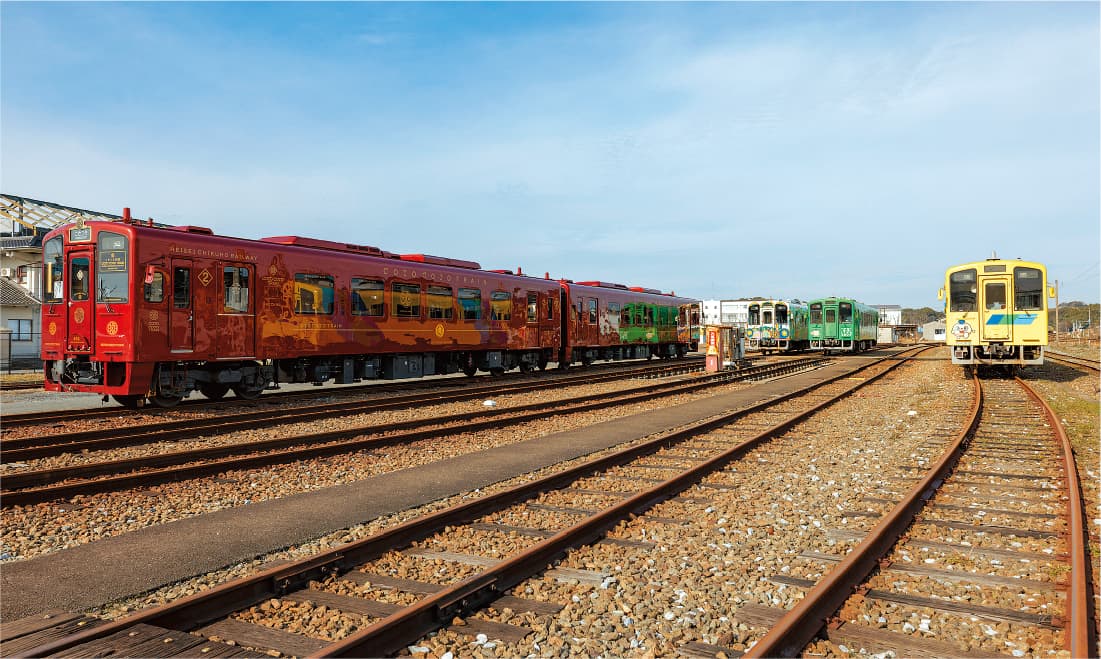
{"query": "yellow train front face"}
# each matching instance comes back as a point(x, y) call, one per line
point(996, 312)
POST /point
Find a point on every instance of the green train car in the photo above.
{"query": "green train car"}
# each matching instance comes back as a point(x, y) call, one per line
point(776, 326)
point(839, 324)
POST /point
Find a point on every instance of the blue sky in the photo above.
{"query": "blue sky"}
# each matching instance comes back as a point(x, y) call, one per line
point(718, 150)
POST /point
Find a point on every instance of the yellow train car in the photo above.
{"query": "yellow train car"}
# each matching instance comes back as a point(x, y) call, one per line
point(996, 312)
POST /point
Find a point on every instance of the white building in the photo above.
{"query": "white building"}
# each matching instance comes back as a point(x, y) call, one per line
point(934, 331)
point(724, 312)
point(889, 314)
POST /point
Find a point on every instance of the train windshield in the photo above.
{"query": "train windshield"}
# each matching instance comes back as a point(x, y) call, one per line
point(55, 269)
point(766, 317)
point(1028, 289)
point(961, 290)
point(816, 313)
point(112, 268)
point(754, 315)
point(846, 311)
point(781, 314)
point(831, 315)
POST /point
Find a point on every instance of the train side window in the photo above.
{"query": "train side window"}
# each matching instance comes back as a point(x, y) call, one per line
point(816, 314)
point(961, 290)
point(592, 311)
point(831, 315)
point(994, 295)
point(781, 315)
point(614, 313)
point(236, 283)
point(181, 288)
point(500, 304)
point(407, 300)
point(367, 297)
point(550, 307)
point(470, 302)
point(55, 269)
point(441, 302)
point(1028, 289)
point(533, 307)
point(78, 279)
point(313, 294)
point(154, 288)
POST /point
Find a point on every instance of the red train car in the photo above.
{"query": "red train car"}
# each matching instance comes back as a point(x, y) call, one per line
point(152, 313)
point(613, 321)
point(141, 312)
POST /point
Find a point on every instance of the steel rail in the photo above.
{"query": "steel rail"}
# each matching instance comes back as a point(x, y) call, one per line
point(1077, 633)
point(802, 623)
point(24, 488)
point(30, 448)
point(1077, 362)
point(38, 418)
point(198, 609)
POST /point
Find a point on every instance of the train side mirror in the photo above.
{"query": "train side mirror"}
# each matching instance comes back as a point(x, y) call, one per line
point(1051, 291)
point(940, 294)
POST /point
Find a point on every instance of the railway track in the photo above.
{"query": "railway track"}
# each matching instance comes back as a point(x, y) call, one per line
point(1081, 363)
point(596, 495)
point(35, 486)
point(17, 449)
point(20, 386)
point(1011, 475)
point(271, 399)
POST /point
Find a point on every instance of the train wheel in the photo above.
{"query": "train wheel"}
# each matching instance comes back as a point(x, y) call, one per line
point(214, 390)
point(543, 363)
point(497, 371)
point(247, 392)
point(470, 371)
point(526, 367)
point(166, 400)
point(586, 361)
point(130, 402)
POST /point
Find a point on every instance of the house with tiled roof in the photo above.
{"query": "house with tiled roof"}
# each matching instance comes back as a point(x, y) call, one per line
point(20, 294)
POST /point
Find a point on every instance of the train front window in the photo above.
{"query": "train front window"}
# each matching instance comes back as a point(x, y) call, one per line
point(961, 290)
point(994, 295)
point(846, 311)
point(781, 315)
point(831, 315)
point(1028, 289)
point(766, 317)
point(78, 279)
point(112, 268)
point(816, 314)
point(754, 315)
point(54, 262)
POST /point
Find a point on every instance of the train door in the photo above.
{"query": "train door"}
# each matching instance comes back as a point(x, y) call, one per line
point(181, 325)
point(534, 336)
point(829, 324)
point(237, 314)
point(997, 319)
point(81, 321)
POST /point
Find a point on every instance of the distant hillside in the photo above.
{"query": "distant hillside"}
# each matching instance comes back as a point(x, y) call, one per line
point(1069, 314)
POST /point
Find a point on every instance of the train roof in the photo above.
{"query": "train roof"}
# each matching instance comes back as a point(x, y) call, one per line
point(985, 266)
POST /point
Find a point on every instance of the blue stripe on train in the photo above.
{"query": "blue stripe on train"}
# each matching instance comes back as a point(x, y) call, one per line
point(1005, 319)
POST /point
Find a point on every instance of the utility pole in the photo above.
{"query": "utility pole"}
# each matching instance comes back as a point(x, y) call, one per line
point(1056, 311)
